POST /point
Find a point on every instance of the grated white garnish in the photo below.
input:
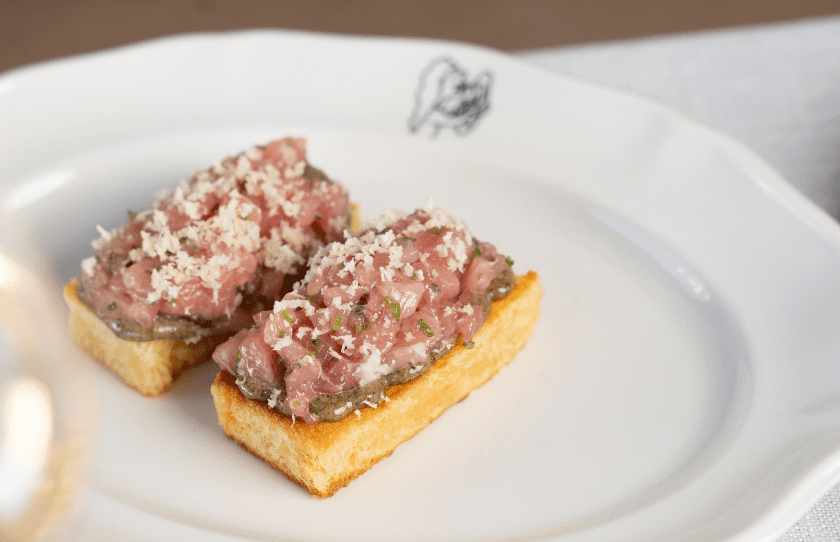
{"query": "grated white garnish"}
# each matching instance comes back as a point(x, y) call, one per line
point(235, 226)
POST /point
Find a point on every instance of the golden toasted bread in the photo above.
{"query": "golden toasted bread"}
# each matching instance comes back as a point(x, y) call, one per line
point(326, 456)
point(150, 366)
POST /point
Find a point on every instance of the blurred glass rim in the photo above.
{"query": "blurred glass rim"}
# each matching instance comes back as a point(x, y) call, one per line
point(47, 396)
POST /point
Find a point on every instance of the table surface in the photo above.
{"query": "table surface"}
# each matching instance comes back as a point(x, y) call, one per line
point(746, 69)
point(34, 30)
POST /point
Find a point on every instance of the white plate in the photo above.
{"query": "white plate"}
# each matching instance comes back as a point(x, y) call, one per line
point(682, 383)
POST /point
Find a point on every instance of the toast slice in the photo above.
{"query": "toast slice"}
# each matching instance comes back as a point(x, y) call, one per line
point(326, 456)
point(150, 366)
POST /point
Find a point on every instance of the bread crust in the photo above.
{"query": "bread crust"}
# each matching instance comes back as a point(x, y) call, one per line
point(150, 367)
point(326, 456)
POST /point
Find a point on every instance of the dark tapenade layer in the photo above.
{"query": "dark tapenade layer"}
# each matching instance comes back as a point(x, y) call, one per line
point(335, 406)
point(190, 330)
point(165, 326)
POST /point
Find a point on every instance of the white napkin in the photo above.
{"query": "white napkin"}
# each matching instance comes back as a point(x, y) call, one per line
point(775, 87)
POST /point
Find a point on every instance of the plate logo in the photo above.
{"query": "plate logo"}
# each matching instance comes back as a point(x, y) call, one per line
point(446, 98)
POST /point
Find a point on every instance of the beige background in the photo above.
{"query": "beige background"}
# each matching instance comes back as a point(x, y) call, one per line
point(35, 30)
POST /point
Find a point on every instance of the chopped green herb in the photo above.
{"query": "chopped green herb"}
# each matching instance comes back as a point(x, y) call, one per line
point(316, 343)
point(424, 327)
point(435, 288)
point(239, 377)
point(287, 317)
point(509, 261)
point(436, 231)
point(281, 334)
point(393, 306)
point(337, 322)
point(113, 256)
point(112, 306)
point(476, 252)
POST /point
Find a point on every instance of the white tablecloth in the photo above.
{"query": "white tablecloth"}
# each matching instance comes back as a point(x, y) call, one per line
point(775, 87)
